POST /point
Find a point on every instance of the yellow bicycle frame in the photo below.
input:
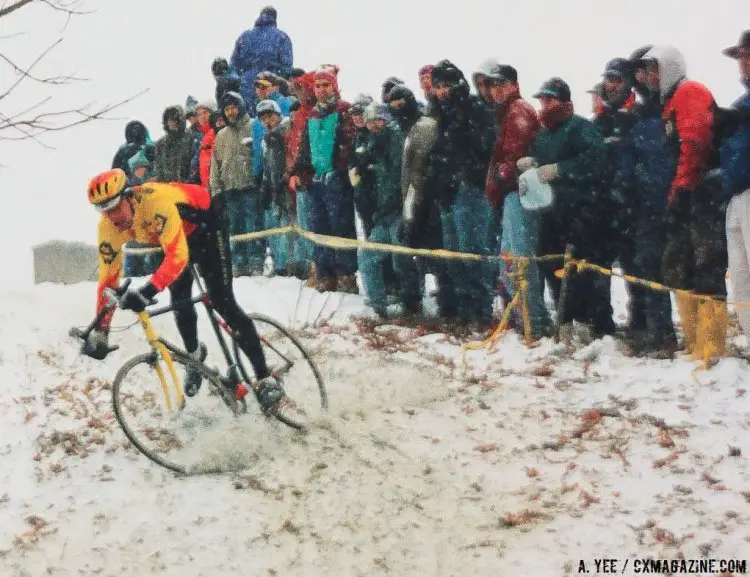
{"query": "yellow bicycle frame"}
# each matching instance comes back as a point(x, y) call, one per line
point(163, 354)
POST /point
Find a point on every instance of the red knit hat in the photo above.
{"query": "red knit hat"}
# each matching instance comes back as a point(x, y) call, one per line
point(328, 72)
point(426, 69)
point(307, 81)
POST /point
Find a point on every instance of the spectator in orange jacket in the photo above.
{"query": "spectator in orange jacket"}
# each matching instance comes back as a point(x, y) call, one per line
point(695, 255)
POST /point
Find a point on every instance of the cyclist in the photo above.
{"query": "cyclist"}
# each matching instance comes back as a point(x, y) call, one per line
point(190, 227)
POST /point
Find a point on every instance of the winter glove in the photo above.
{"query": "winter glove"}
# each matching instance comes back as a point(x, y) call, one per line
point(137, 299)
point(96, 345)
point(354, 177)
point(526, 163)
point(548, 172)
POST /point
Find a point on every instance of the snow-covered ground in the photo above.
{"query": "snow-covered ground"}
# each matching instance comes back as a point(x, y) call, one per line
point(522, 463)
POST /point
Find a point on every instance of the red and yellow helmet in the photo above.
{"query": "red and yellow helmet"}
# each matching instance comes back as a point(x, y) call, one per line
point(105, 189)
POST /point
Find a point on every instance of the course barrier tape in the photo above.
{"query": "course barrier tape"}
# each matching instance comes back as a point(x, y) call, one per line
point(336, 242)
point(519, 263)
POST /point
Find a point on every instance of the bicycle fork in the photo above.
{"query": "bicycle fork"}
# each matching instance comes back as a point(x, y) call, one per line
point(163, 353)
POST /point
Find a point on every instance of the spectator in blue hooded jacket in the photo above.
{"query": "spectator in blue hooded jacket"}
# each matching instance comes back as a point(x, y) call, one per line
point(265, 47)
point(653, 170)
point(137, 138)
point(266, 88)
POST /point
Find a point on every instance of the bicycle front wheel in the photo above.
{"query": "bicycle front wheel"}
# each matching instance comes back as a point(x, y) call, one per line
point(173, 437)
point(299, 375)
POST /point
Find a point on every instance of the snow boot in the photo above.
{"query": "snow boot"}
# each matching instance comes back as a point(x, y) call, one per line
point(711, 333)
point(326, 285)
point(269, 392)
point(687, 307)
point(348, 284)
point(193, 379)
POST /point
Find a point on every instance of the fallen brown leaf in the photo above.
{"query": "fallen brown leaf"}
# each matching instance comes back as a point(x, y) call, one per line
point(708, 478)
point(36, 522)
point(587, 499)
point(665, 440)
point(522, 518)
point(486, 448)
point(542, 371)
point(659, 463)
point(568, 488)
point(591, 415)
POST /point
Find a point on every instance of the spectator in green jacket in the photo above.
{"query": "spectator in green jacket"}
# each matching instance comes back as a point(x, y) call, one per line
point(383, 157)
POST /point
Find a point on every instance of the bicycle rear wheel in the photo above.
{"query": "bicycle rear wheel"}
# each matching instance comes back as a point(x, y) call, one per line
point(173, 439)
point(286, 356)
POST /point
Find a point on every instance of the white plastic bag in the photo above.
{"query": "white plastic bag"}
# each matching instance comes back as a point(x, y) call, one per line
point(534, 195)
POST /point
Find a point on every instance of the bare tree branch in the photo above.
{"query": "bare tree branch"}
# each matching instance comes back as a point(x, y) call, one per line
point(9, 36)
point(45, 122)
point(36, 120)
point(27, 135)
point(27, 110)
point(13, 7)
point(50, 80)
point(67, 6)
point(25, 74)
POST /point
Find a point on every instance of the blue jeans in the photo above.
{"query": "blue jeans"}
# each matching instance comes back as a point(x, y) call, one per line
point(519, 238)
point(371, 263)
point(332, 213)
point(466, 229)
point(303, 248)
point(244, 215)
point(281, 244)
point(655, 306)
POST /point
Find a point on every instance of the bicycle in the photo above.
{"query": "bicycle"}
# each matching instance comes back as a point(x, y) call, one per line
point(231, 387)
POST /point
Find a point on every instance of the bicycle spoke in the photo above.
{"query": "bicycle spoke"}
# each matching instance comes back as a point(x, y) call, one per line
point(291, 364)
point(175, 439)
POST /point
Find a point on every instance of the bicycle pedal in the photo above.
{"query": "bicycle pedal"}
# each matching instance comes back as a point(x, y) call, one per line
point(240, 392)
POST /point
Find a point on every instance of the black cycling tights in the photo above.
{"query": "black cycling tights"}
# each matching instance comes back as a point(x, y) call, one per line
point(209, 249)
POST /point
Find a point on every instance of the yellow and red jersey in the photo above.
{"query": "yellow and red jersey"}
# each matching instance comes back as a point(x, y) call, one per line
point(157, 219)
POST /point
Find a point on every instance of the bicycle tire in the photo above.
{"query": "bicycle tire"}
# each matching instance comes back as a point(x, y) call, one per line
point(323, 394)
point(148, 358)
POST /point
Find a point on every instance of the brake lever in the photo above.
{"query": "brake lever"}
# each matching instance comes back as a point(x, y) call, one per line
point(113, 298)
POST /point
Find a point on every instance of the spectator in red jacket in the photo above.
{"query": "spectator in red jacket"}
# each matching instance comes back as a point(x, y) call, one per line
point(517, 126)
point(695, 255)
point(207, 147)
point(302, 87)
